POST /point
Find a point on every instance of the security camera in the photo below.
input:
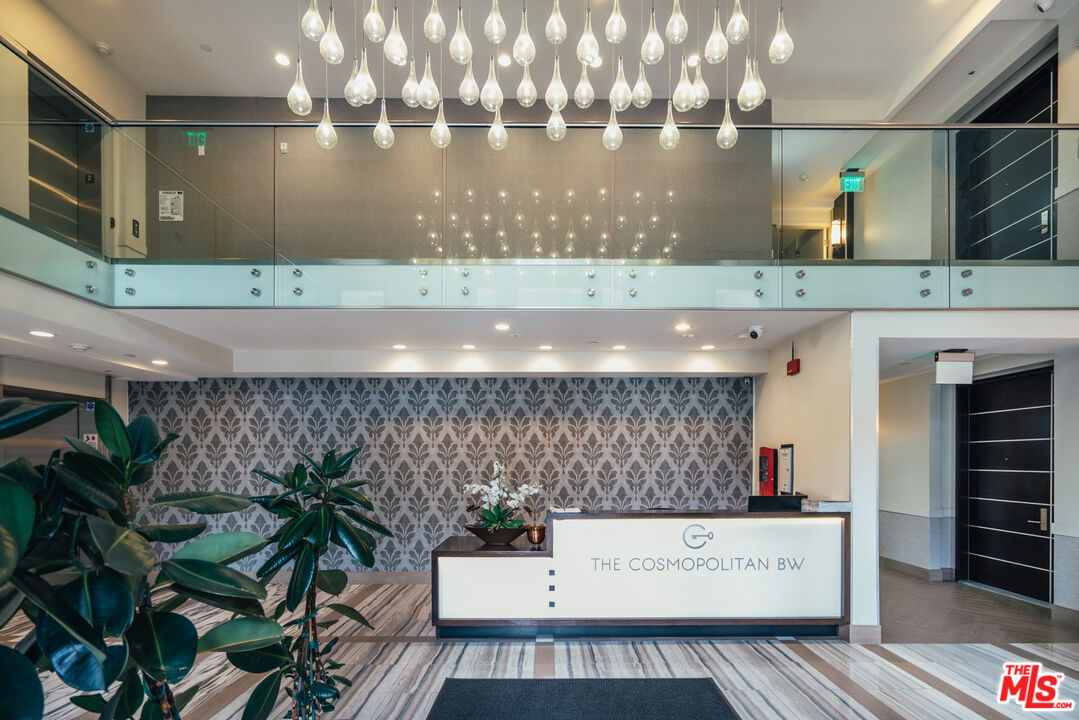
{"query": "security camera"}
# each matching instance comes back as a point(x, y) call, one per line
point(755, 332)
point(1044, 5)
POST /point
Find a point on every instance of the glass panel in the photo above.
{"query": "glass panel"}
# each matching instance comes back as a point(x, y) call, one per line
point(696, 202)
point(534, 199)
point(357, 200)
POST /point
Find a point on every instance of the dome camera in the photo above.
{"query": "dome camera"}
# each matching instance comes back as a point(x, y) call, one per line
point(755, 332)
point(1044, 5)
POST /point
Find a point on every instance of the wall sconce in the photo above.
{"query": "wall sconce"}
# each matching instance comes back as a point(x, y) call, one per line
point(837, 232)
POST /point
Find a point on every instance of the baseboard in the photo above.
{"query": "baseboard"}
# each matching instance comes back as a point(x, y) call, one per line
point(1061, 614)
point(860, 634)
point(375, 578)
point(935, 575)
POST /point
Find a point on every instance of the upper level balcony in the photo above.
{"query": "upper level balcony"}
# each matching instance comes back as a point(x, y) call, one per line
point(185, 214)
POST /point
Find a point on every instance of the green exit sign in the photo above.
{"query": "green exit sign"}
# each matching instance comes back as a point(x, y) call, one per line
point(196, 139)
point(850, 181)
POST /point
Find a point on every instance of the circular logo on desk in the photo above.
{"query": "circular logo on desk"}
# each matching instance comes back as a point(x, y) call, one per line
point(695, 537)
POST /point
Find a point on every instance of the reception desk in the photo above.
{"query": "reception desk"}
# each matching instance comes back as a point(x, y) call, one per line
point(650, 573)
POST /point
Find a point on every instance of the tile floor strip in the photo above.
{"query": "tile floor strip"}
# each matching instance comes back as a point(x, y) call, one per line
point(1046, 662)
point(543, 662)
point(841, 680)
point(984, 710)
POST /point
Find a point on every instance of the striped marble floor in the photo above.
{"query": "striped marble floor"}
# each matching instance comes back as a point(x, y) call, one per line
point(398, 668)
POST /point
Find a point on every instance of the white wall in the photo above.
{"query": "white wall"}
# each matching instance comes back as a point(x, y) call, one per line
point(14, 145)
point(55, 378)
point(811, 409)
point(905, 464)
point(37, 29)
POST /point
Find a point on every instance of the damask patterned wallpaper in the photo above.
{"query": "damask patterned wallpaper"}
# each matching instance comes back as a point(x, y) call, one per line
point(597, 443)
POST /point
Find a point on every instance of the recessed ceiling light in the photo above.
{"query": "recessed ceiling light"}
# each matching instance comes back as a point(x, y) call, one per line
point(803, 177)
point(682, 326)
point(468, 347)
point(160, 362)
point(618, 347)
point(206, 47)
point(708, 347)
point(504, 60)
point(42, 333)
point(544, 347)
point(693, 60)
point(502, 327)
point(281, 59)
point(400, 347)
point(129, 355)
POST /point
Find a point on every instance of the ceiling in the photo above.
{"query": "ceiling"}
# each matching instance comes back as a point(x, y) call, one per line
point(845, 51)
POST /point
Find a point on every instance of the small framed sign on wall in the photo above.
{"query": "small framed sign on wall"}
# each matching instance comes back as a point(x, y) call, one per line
point(785, 470)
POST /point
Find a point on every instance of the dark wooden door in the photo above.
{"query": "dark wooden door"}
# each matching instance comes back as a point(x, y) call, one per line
point(1005, 483)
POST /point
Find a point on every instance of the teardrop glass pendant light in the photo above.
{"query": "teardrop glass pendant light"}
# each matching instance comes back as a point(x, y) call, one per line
point(524, 49)
point(612, 134)
point(642, 91)
point(395, 49)
point(330, 46)
point(556, 30)
point(761, 91)
point(669, 135)
point(311, 23)
point(556, 96)
point(588, 46)
point(374, 27)
point(700, 89)
point(469, 91)
point(749, 95)
point(427, 93)
point(526, 91)
point(360, 89)
point(325, 135)
point(556, 126)
point(782, 46)
point(584, 94)
point(497, 137)
point(440, 131)
point(434, 27)
point(683, 96)
point(383, 132)
point(616, 28)
point(652, 47)
point(677, 26)
point(411, 88)
point(494, 28)
point(621, 95)
point(727, 135)
point(738, 25)
point(299, 100)
point(460, 45)
point(715, 50)
point(491, 96)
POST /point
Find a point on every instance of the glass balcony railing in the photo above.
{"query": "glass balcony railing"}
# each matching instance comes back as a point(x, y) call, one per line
point(166, 214)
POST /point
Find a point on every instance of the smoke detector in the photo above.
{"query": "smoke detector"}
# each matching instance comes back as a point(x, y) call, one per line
point(103, 48)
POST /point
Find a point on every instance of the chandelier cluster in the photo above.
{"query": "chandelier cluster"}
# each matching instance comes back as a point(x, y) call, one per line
point(425, 92)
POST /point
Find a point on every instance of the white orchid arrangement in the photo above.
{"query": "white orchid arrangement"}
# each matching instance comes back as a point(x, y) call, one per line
point(497, 503)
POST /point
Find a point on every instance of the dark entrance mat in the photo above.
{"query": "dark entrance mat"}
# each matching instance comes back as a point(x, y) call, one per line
point(619, 699)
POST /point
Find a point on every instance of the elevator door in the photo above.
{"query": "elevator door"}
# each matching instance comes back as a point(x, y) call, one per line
point(1005, 483)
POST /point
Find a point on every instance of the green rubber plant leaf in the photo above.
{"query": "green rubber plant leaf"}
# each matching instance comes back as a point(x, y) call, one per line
point(171, 533)
point(212, 578)
point(241, 634)
point(22, 473)
point(303, 573)
point(10, 600)
point(144, 438)
point(17, 515)
point(42, 595)
point(21, 696)
point(97, 494)
point(276, 562)
point(269, 476)
point(319, 534)
point(331, 581)
point(344, 463)
point(13, 424)
point(73, 661)
point(358, 543)
point(163, 645)
point(104, 599)
point(262, 660)
point(112, 431)
point(353, 497)
point(368, 522)
point(87, 456)
point(9, 553)
point(183, 698)
point(350, 612)
point(223, 547)
point(204, 503)
point(263, 698)
point(297, 529)
point(151, 710)
point(129, 697)
point(122, 549)
point(90, 703)
point(236, 605)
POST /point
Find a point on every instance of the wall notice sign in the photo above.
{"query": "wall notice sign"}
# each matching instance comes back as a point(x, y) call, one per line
point(170, 205)
point(90, 439)
point(785, 474)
